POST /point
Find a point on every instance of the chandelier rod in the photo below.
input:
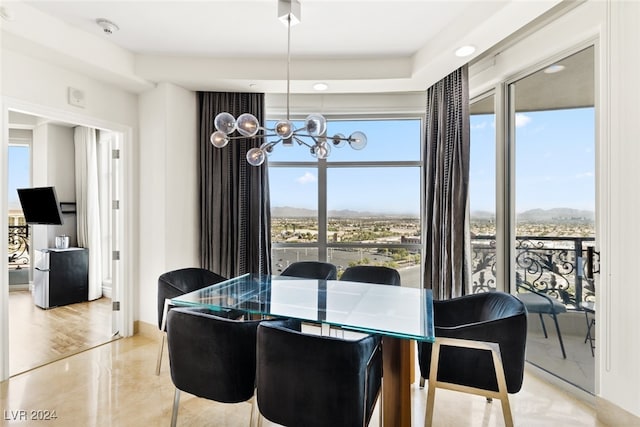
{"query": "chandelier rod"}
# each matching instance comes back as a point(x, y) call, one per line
point(288, 61)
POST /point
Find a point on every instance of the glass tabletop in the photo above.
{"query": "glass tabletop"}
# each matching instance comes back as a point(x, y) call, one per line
point(388, 310)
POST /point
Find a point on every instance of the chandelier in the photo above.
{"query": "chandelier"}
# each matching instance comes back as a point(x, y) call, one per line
point(313, 134)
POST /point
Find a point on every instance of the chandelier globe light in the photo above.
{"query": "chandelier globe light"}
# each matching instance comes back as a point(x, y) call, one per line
point(313, 134)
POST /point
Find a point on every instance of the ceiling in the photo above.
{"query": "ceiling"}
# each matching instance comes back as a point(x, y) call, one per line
point(352, 45)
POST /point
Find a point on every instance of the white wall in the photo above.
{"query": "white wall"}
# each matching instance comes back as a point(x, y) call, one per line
point(38, 87)
point(168, 188)
point(53, 164)
point(620, 204)
point(616, 28)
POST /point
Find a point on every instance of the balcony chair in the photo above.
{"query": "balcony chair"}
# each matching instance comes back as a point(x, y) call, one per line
point(479, 348)
point(179, 282)
point(212, 357)
point(311, 270)
point(537, 302)
point(346, 377)
point(372, 274)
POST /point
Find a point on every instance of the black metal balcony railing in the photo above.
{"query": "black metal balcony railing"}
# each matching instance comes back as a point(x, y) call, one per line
point(560, 267)
point(18, 246)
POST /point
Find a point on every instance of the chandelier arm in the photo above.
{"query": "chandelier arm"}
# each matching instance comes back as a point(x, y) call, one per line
point(305, 135)
point(300, 141)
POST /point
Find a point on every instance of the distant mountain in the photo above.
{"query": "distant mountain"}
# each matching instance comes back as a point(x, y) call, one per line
point(556, 215)
point(291, 212)
point(483, 215)
point(533, 215)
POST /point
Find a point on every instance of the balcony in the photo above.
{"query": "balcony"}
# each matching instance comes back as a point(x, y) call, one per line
point(18, 251)
point(559, 267)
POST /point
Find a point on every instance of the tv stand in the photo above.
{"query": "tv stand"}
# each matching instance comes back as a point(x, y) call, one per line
point(60, 277)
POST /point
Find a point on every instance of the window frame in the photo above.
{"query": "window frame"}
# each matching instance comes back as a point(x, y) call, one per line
point(322, 245)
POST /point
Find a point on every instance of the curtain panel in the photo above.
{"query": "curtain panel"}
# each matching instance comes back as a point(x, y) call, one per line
point(88, 204)
point(446, 182)
point(235, 216)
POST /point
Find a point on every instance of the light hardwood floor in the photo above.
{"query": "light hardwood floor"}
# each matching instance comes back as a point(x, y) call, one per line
point(115, 385)
point(38, 336)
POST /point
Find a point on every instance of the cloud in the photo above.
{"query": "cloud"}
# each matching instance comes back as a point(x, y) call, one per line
point(307, 178)
point(522, 120)
point(479, 126)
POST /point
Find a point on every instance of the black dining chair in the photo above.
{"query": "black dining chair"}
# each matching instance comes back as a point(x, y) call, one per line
point(213, 357)
point(179, 282)
point(479, 348)
point(311, 270)
point(372, 274)
point(346, 376)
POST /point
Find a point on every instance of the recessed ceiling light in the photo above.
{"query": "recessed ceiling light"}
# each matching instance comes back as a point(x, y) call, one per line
point(555, 68)
point(320, 86)
point(465, 51)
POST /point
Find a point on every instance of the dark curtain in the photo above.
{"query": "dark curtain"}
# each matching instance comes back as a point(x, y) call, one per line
point(235, 218)
point(446, 179)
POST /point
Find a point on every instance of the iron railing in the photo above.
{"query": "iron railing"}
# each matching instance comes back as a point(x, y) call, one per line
point(560, 267)
point(18, 248)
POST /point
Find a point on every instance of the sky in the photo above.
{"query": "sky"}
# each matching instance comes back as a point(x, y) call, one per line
point(554, 166)
point(554, 160)
point(18, 172)
point(378, 189)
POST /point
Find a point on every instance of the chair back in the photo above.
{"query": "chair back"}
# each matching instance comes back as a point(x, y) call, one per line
point(213, 357)
point(311, 270)
point(179, 282)
point(311, 380)
point(495, 317)
point(372, 274)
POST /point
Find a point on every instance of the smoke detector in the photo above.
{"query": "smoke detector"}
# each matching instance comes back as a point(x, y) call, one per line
point(107, 26)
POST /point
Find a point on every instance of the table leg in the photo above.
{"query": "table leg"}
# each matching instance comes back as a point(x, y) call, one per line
point(396, 382)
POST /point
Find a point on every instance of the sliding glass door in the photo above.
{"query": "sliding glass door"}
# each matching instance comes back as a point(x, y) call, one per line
point(552, 130)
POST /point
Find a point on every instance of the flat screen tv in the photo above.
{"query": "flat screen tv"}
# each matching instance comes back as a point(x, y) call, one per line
point(40, 205)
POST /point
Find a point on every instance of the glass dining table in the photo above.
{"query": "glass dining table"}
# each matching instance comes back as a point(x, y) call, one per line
point(399, 314)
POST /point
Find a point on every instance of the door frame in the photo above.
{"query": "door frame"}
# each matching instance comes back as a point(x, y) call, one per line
point(123, 320)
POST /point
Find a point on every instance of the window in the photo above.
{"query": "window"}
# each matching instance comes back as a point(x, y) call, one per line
point(482, 193)
point(19, 173)
point(357, 207)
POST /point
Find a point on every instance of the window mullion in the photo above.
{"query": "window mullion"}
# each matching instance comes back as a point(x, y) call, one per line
point(322, 210)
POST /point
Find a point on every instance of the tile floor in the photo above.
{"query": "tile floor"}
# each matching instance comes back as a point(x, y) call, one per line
point(115, 385)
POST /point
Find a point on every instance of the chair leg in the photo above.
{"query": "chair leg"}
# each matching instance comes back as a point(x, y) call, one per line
point(431, 389)
point(176, 403)
point(502, 386)
point(544, 329)
point(254, 407)
point(160, 351)
point(555, 319)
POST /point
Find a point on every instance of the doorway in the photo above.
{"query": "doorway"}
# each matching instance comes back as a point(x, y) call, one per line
point(38, 336)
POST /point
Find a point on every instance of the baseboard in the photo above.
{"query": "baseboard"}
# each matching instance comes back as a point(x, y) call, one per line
point(107, 291)
point(613, 415)
point(570, 389)
point(146, 330)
